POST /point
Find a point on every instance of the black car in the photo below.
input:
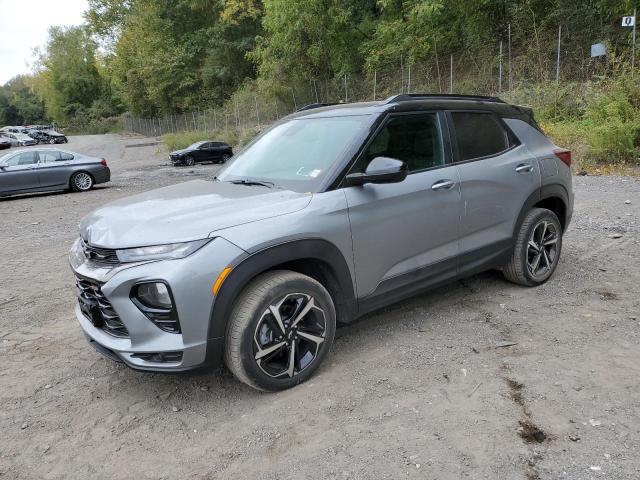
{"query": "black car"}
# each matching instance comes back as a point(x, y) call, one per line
point(205, 151)
point(47, 136)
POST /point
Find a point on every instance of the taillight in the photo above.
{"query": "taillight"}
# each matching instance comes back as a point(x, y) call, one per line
point(103, 162)
point(564, 155)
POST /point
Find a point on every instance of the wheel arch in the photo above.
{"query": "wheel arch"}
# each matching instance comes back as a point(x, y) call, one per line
point(316, 258)
point(81, 170)
point(553, 197)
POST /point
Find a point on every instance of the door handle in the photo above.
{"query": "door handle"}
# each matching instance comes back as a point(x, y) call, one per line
point(524, 168)
point(443, 185)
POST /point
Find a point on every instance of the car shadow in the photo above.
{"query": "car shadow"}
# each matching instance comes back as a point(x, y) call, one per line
point(23, 196)
point(363, 331)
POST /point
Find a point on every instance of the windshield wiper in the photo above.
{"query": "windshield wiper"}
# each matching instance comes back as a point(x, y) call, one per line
point(246, 181)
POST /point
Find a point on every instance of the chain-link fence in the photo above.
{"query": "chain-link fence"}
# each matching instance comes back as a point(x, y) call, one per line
point(494, 71)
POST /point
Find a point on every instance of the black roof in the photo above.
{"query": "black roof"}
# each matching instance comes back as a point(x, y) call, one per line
point(418, 101)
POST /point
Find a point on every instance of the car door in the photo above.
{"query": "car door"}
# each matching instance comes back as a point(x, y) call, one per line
point(203, 152)
point(215, 151)
point(19, 173)
point(54, 168)
point(497, 175)
point(405, 234)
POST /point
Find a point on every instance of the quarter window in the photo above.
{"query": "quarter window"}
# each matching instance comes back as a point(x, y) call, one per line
point(65, 157)
point(414, 139)
point(478, 135)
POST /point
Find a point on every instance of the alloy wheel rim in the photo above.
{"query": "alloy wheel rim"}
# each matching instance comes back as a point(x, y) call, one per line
point(82, 181)
point(542, 249)
point(289, 335)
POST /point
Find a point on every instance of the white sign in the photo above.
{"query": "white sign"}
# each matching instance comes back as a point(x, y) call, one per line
point(598, 50)
point(628, 21)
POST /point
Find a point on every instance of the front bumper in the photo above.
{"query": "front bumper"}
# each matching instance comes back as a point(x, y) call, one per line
point(176, 160)
point(190, 280)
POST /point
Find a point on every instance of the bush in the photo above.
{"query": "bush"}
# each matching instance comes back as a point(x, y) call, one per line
point(235, 138)
point(178, 141)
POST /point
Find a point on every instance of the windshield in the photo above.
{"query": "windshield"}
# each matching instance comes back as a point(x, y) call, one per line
point(297, 154)
point(195, 145)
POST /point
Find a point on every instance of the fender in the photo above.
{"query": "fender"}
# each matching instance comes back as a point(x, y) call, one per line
point(546, 191)
point(265, 259)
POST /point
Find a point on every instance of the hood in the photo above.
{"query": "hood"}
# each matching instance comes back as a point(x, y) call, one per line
point(180, 152)
point(183, 212)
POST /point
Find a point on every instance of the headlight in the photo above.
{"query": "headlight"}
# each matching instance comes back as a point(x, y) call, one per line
point(161, 252)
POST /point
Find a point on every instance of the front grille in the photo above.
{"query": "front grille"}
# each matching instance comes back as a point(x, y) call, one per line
point(103, 256)
point(98, 309)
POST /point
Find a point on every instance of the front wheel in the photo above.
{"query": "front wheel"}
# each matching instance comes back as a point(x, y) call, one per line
point(52, 141)
point(281, 328)
point(537, 250)
point(81, 182)
point(189, 161)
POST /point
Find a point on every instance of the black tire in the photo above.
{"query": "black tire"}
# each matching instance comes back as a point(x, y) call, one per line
point(52, 141)
point(522, 265)
point(251, 322)
point(81, 182)
point(225, 158)
point(189, 161)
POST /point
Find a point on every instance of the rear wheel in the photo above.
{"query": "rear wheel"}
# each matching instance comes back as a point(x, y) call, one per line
point(81, 182)
point(189, 161)
point(537, 249)
point(224, 158)
point(281, 328)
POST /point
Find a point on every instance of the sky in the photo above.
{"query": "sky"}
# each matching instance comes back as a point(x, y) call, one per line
point(24, 25)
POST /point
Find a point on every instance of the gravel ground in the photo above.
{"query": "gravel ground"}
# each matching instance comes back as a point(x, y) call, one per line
point(427, 388)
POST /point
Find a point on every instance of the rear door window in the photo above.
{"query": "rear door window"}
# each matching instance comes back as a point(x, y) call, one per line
point(49, 157)
point(478, 135)
point(65, 156)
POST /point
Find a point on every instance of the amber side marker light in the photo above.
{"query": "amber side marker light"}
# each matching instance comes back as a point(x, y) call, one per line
point(218, 283)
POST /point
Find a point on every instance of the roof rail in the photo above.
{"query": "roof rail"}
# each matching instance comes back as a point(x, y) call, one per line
point(314, 105)
point(405, 97)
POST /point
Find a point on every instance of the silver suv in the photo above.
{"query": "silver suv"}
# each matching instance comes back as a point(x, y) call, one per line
point(331, 213)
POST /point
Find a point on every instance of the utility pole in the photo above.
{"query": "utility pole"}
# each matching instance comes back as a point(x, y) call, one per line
point(633, 45)
point(558, 59)
point(509, 48)
point(401, 74)
point(451, 75)
point(375, 82)
point(500, 69)
point(409, 80)
point(346, 93)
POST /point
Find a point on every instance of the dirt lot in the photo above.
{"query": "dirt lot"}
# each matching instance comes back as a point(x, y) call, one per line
point(424, 389)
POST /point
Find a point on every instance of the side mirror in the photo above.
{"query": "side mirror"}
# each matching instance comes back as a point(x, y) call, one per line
point(380, 170)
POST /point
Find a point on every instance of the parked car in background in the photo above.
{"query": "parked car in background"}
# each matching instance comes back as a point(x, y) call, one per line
point(205, 151)
point(4, 143)
point(11, 129)
point(20, 139)
point(47, 136)
point(331, 213)
point(43, 169)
